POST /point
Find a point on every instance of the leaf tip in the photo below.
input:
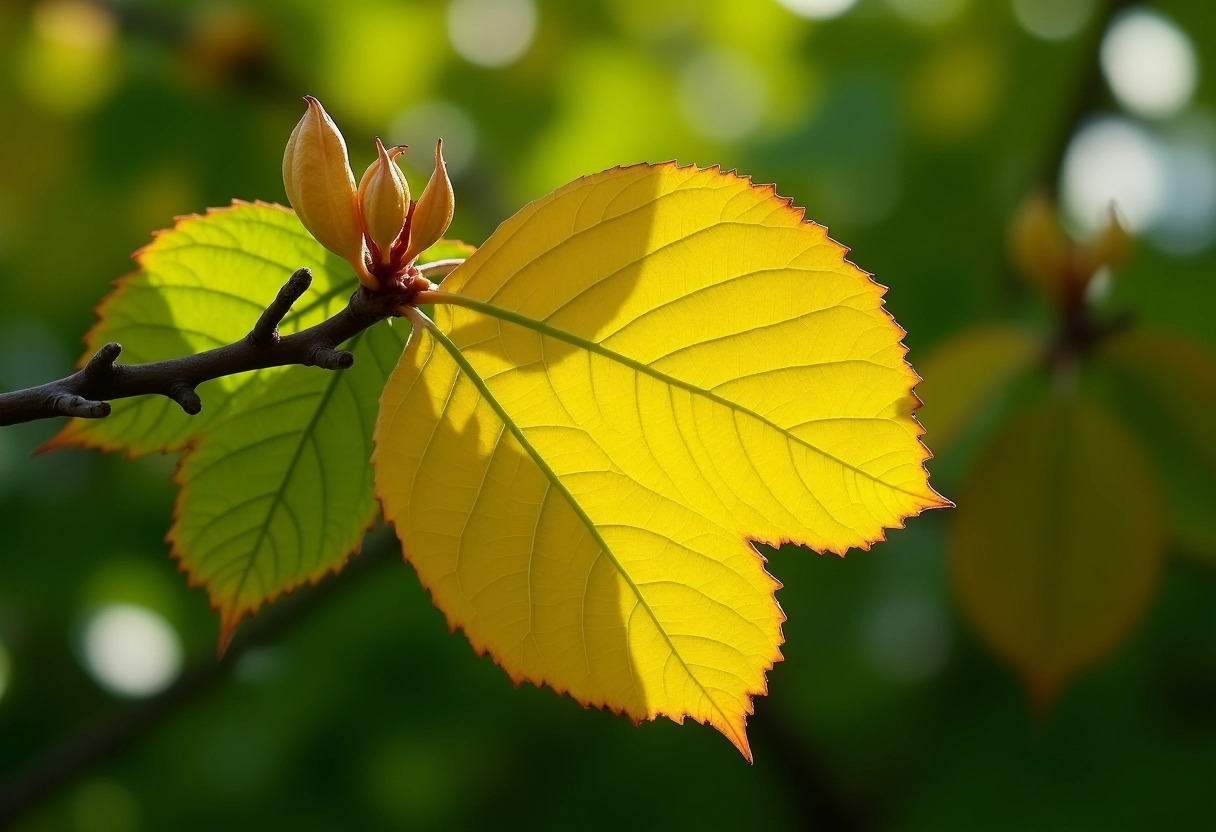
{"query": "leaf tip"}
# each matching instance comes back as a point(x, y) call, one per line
point(230, 619)
point(67, 437)
point(1043, 690)
point(736, 732)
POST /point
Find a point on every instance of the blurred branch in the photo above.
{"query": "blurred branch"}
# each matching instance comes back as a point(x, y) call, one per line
point(109, 736)
point(87, 392)
point(817, 799)
point(1090, 94)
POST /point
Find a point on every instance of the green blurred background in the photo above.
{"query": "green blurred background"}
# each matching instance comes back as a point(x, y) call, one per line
point(911, 128)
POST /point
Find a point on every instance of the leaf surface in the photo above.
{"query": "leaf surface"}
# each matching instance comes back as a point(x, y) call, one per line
point(1056, 546)
point(276, 489)
point(200, 285)
point(633, 379)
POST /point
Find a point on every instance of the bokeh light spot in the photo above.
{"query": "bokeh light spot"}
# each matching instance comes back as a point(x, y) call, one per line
point(908, 638)
point(105, 806)
point(77, 23)
point(958, 90)
point(68, 65)
point(722, 96)
point(1053, 19)
point(1149, 63)
point(491, 33)
point(260, 665)
point(928, 12)
point(1109, 161)
point(1187, 224)
point(131, 651)
point(414, 781)
point(368, 64)
point(422, 124)
point(818, 9)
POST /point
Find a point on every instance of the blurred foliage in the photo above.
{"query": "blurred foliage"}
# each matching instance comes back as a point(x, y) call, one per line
point(913, 135)
point(1057, 543)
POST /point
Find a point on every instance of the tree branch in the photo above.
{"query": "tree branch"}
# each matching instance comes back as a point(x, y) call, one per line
point(88, 392)
point(1088, 96)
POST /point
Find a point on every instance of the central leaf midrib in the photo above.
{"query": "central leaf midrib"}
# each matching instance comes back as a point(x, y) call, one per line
point(591, 346)
point(551, 475)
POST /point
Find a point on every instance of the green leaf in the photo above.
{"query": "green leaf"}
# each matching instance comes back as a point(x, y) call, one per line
point(276, 488)
point(279, 491)
point(1171, 400)
point(201, 285)
point(1056, 545)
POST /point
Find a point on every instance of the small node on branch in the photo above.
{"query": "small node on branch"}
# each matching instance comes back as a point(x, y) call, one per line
point(67, 404)
point(101, 365)
point(331, 359)
point(183, 393)
point(266, 330)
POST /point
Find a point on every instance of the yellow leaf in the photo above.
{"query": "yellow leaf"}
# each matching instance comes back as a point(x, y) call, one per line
point(633, 379)
point(1056, 546)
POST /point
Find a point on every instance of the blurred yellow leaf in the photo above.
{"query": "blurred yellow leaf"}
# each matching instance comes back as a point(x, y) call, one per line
point(1175, 378)
point(964, 375)
point(1038, 246)
point(1056, 545)
point(1180, 377)
point(633, 379)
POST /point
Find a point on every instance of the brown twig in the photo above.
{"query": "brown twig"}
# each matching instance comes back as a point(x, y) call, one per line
point(1089, 95)
point(88, 392)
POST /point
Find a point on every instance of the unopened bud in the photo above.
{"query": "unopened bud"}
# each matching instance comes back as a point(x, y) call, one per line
point(433, 210)
point(321, 187)
point(1110, 249)
point(384, 198)
point(1039, 248)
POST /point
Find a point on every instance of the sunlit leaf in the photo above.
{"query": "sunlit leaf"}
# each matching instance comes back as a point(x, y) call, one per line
point(1174, 380)
point(1056, 545)
point(276, 489)
point(633, 379)
point(967, 373)
point(198, 286)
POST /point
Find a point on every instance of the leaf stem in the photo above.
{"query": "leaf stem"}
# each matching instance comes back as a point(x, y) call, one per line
point(438, 296)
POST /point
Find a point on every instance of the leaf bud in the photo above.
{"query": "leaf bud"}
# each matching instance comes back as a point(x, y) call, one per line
point(384, 198)
point(432, 213)
point(1110, 249)
point(321, 187)
point(1038, 245)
